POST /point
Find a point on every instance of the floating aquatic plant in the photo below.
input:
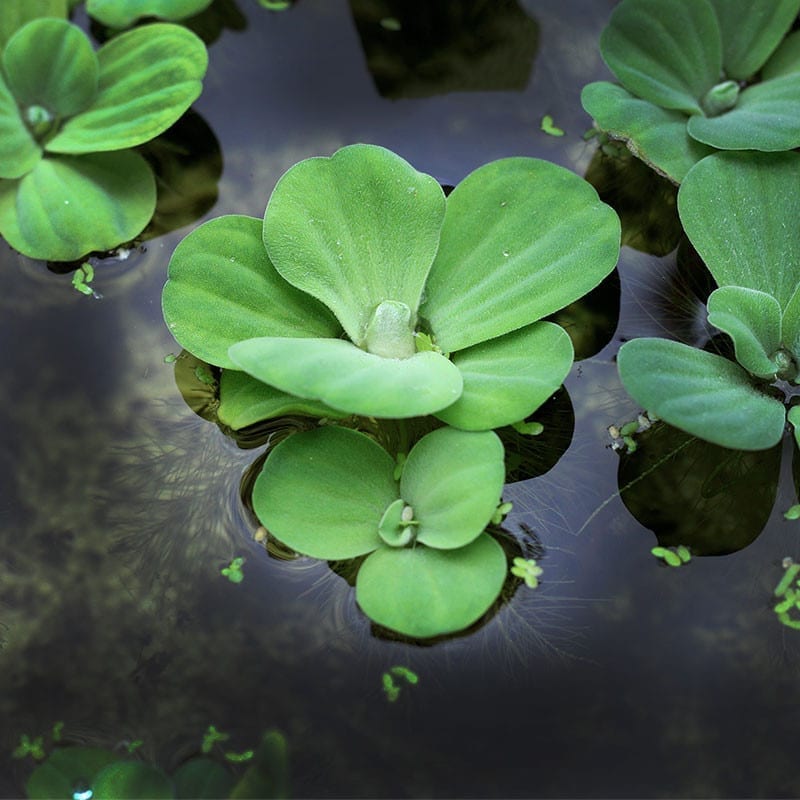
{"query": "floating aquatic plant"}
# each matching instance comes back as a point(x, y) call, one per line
point(699, 75)
point(69, 181)
point(123, 13)
point(366, 292)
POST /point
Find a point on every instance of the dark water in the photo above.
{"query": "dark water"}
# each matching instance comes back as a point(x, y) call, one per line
point(617, 677)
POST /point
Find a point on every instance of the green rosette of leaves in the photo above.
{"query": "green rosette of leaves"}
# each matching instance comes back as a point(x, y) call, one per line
point(699, 75)
point(332, 493)
point(740, 211)
point(367, 293)
point(69, 181)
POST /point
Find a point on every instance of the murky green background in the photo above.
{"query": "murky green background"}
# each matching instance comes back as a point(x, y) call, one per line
point(616, 677)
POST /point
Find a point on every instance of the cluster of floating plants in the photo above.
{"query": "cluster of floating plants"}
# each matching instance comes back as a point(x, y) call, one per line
point(367, 294)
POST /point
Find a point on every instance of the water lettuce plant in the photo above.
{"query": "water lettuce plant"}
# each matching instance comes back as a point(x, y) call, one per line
point(123, 13)
point(70, 182)
point(366, 292)
point(699, 75)
point(740, 211)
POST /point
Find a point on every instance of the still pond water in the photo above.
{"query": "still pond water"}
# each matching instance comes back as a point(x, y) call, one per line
point(617, 677)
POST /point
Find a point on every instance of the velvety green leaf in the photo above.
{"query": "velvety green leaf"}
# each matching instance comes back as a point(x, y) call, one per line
point(131, 780)
point(753, 320)
point(793, 416)
point(19, 152)
point(355, 229)
point(701, 393)
point(723, 205)
point(422, 592)
point(201, 778)
point(790, 327)
point(323, 492)
point(785, 60)
point(345, 377)
point(508, 378)
point(123, 13)
point(63, 768)
point(17, 13)
point(69, 206)
point(453, 481)
point(766, 117)
point(666, 51)
point(148, 77)
point(51, 63)
point(223, 289)
point(243, 400)
point(751, 30)
point(514, 248)
point(656, 135)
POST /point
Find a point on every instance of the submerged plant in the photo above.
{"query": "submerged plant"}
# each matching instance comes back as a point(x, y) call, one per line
point(740, 211)
point(366, 292)
point(699, 75)
point(69, 181)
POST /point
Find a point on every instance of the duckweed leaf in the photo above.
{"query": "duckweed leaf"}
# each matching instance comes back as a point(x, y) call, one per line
point(508, 378)
point(222, 289)
point(669, 53)
point(423, 592)
point(535, 261)
point(123, 13)
point(659, 134)
point(751, 30)
point(45, 213)
point(323, 492)
point(148, 77)
point(19, 151)
point(341, 375)
point(355, 229)
point(129, 780)
point(50, 63)
point(438, 469)
point(722, 205)
point(766, 117)
point(245, 400)
point(753, 320)
point(64, 767)
point(700, 393)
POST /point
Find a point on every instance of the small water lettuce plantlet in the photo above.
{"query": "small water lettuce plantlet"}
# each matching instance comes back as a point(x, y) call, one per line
point(211, 737)
point(699, 75)
point(364, 291)
point(528, 570)
point(623, 436)
point(390, 687)
point(239, 758)
point(793, 512)
point(81, 279)
point(70, 181)
point(549, 127)
point(673, 556)
point(788, 594)
point(233, 572)
point(29, 746)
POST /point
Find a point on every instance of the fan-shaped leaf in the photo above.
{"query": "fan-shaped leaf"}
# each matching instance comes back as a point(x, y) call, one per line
point(64, 768)
point(785, 60)
point(19, 152)
point(130, 780)
point(123, 13)
point(323, 492)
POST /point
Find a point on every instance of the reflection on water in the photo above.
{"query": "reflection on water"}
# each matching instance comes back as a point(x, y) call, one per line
point(615, 677)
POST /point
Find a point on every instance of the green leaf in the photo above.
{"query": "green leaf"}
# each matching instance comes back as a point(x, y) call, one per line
point(666, 51)
point(130, 780)
point(508, 378)
point(422, 592)
point(51, 63)
point(751, 30)
point(201, 778)
point(793, 416)
point(19, 152)
point(64, 767)
point(701, 393)
point(223, 289)
point(355, 229)
point(267, 778)
point(148, 77)
point(339, 374)
point(17, 13)
point(243, 401)
point(722, 206)
point(514, 249)
point(790, 327)
point(123, 13)
point(656, 135)
point(785, 60)
point(766, 117)
point(753, 320)
point(436, 473)
point(69, 206)
point(323, 492)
